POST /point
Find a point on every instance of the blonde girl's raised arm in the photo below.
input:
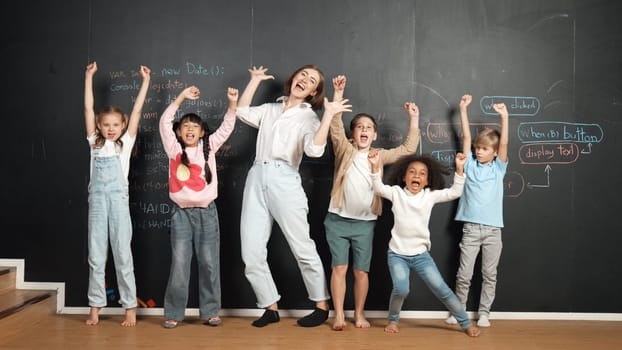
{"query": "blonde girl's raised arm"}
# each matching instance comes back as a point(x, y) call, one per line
point(89, 101)
point(132, 127)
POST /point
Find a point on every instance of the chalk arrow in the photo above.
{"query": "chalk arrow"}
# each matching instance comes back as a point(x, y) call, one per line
point(547, 170)
point(589, 149)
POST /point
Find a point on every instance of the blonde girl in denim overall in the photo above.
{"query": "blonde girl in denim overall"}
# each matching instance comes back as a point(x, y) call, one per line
point(111, 136)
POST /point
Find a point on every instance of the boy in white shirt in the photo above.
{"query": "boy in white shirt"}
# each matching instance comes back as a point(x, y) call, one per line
point(354, 207)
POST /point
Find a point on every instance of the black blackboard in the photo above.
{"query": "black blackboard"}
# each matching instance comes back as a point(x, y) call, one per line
point(556, 64)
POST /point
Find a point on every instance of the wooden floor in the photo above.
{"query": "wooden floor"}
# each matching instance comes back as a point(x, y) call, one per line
point(38, 329)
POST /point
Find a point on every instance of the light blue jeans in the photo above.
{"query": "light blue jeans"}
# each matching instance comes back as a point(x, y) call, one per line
point(109, 219)
point(476, 237)
point(424, 266)
point(198, 227)
point(273, 191)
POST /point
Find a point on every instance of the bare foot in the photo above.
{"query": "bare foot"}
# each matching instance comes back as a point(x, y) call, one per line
point(339, 323)
point(130, 318)
point(361, 322)
point(93, 316)
point(472, 331)
point(392, 327)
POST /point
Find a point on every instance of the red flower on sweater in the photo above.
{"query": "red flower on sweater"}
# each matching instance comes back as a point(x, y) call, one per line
point(183, 176)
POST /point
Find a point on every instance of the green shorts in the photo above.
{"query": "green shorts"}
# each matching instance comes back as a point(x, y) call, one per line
point(343, 233)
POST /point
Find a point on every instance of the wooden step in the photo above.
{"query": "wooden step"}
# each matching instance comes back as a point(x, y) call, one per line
point(7, 279)
point(12, 279)
point(15, 300)
point(27, 325)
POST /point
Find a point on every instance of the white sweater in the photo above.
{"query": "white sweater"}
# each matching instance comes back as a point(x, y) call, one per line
point(410, 234)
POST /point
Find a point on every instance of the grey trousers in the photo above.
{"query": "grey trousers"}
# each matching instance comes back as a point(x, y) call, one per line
point(476, 237)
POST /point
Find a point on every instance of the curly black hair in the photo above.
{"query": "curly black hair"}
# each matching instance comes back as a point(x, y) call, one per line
point(436, 170)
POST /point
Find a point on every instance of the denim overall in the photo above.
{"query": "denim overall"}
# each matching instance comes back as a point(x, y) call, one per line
point(109, 219)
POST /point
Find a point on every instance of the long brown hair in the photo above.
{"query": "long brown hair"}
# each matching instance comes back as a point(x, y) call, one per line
point(316, 101)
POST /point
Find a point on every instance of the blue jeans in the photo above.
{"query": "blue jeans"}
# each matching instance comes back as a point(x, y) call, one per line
point(198, 227)
point(424, 266)
point(109, 219)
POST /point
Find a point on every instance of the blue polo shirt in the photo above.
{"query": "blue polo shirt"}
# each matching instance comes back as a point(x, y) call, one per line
point(482, 200)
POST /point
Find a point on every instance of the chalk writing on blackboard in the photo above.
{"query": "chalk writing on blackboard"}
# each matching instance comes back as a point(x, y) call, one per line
point(520, 106)
point(513, 184)
point(444, 132)
point(389, 136)
point(542, 143)
point(142, 185)
point(547, 183)
point(553, 131)
point(548, 153)
point(553, 142)
point(150, 204)
point(446, 157)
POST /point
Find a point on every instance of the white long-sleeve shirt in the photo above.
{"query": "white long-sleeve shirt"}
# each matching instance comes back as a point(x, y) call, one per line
point(283, 135)
point(410, 234)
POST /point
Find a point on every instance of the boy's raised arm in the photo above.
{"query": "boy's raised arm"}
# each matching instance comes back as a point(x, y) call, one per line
point(502, 153)
point(413, 114)
point(465, 101)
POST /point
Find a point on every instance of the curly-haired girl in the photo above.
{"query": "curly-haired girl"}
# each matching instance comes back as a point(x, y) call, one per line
point(419, 185)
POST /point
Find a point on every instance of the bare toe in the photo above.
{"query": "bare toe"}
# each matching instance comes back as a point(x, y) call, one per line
point(339, 325)
point(472, 331)
point(93, 316)
point(392, 327)
point(130, 318)
point(362, 323)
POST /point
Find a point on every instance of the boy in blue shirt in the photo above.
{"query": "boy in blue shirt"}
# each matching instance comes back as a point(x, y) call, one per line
point(481, 208)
